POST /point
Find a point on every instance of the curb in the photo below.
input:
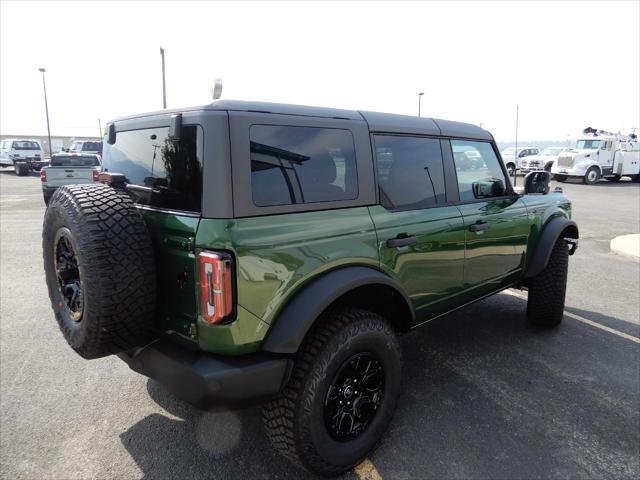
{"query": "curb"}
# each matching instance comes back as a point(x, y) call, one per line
point(627, 245)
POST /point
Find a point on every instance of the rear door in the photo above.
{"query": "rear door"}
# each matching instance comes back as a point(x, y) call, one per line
point(420, 237)
point(495, 220)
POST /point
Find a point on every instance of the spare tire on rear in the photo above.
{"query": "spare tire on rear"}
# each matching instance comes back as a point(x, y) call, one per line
point(99, 268)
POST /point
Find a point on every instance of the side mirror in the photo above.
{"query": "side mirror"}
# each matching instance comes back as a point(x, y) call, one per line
point(111, 134)
point(175, 127)
point(537, 182)
point(490, 187)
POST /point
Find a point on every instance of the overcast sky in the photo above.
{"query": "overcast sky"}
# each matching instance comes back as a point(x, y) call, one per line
point(568, 65)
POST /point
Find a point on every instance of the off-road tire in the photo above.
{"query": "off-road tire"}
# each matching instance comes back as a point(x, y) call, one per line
point(560, 178)
point(511, 169)
point(545, 305)
point(22, 169)
point(591, 181)
point(294, 419)
point(115, 264)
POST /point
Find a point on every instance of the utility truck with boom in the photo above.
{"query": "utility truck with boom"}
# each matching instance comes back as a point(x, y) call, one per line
point(599, 154)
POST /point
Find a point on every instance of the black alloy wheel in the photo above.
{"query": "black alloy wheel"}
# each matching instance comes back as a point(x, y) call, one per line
point(353, 398)
point(68, 274)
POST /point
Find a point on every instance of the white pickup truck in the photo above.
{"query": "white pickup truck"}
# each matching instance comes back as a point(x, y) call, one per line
point(69, 169)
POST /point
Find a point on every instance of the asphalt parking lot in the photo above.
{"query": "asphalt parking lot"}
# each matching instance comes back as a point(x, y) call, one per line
point(485, 395)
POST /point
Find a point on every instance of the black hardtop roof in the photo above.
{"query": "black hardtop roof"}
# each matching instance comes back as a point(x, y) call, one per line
point(377, 121)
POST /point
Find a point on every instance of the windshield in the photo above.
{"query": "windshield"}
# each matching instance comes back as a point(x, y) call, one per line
point(508, 152)
point(587, 144)
point(551, 151)
point(75, 147)
point(26, 145)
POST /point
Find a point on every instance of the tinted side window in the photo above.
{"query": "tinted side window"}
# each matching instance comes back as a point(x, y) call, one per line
point(410, 172)
point(169, 173)
point(481, 178)
point(292, 165)
point(91, 146)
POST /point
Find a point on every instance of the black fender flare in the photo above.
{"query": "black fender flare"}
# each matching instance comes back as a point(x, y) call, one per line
point(297, 317)
point(548, 238)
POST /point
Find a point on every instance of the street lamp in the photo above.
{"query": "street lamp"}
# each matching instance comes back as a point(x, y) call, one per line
point(46, 108)
point(164, 85)
point(419, 101)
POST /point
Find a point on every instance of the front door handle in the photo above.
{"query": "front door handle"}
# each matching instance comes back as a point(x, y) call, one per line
point(402, 240)
point(479, 226)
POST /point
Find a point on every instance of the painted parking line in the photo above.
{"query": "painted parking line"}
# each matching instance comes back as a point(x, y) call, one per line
point(367, 471)
point(583, 320)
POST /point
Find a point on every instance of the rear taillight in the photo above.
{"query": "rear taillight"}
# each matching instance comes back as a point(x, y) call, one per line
point(96, 175)
point(216, 286)
point(43, 176)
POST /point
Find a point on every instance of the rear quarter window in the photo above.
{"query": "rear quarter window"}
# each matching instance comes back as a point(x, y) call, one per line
point(297, 165)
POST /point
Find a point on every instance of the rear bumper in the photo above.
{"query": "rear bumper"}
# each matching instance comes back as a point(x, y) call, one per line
point(209, 381)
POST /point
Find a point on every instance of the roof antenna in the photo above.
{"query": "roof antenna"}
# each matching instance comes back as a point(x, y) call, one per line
point(216, 91)
point(515, 167)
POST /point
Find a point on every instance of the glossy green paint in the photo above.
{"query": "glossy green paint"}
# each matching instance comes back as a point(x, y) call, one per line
point(494, 257)
point(173, 238)
point(541, 209)
point(432, 270)
point(275, 256)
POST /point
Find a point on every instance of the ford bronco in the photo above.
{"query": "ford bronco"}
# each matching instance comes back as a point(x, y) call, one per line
point(247, 252)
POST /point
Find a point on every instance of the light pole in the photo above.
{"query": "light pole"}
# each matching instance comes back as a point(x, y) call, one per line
point(46, 108)
point(420, 101)
point(164, 85)
point(100, 129)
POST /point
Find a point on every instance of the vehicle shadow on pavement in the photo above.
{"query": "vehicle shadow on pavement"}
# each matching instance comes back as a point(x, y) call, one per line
point(485, 395)
point(624, 183)
point(11, 171)
point(190, 443)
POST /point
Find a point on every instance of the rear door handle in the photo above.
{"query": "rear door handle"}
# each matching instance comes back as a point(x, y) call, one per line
point(479, 226)
point(402, 240)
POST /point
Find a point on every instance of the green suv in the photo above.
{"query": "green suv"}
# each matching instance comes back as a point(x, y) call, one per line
point(246, 252)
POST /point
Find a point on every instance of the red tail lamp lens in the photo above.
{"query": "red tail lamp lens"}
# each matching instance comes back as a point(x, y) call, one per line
point(216, 295)
point(43, 176)
point(96, 175)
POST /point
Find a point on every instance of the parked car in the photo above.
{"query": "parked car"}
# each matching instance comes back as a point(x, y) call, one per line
point(542, 161)
point(512, 157)
point(86, 146)
point(600, 154)
point(23, 155)
point(68, 169)
point(246, 252)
